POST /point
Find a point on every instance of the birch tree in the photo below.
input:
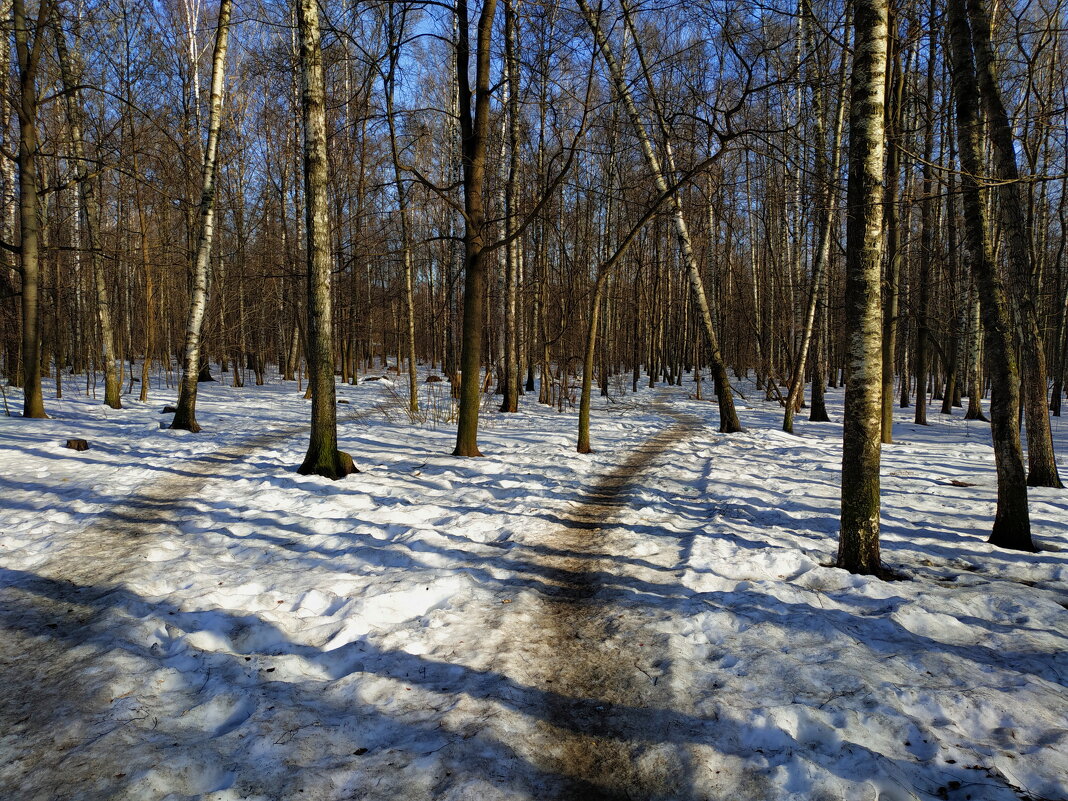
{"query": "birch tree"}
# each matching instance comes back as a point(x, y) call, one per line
point(729, 421)
point(1042, 466)
point(858, 546)
point(29, 48)
point(185, 416)
point(474, 107)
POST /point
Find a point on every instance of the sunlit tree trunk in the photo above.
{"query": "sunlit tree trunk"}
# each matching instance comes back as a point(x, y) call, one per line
point(397, 17)
point(29, 46)
point(474, 132)
point(826, 181)
point(511, 387)
point(185, 416)
point(729, 421)
point(323, 457)
point(858, 548)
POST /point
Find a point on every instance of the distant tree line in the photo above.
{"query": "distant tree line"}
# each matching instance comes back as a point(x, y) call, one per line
point(548, 199)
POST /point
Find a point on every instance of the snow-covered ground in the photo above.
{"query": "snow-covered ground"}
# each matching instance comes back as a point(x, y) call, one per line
point(185, 617)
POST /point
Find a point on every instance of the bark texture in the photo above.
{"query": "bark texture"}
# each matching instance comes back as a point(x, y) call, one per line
point(1012, 525)
point(185, 417)
point(89, 214)
point(474, 131)
point(1041, 463)
point(858, 548)
point(728, 416)
point(323, 457)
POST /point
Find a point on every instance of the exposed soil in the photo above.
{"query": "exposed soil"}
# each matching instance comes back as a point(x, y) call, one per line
point(607, 719)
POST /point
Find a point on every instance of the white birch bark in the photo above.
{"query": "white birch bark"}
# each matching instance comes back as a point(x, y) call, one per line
point(185, 417)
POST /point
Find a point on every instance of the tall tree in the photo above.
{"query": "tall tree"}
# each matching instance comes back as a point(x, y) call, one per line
point(858, 547)
point(1042, 465)
point(1012, 523)
point(323, 457)
point(29, 48)
point(474, 107)
point(185, 416)
point(728, 416)
point(89, 213)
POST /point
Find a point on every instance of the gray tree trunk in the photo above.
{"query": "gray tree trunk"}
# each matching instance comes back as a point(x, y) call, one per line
point(28, 50)
point(474, 131)
point(728, 416)
point(89, 213)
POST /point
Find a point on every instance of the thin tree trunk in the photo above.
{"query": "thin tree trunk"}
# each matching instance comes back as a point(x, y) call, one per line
point(927, 239)
point(474, 127)
point(729, 421)
point(827, 182)
point(89, 214)
point(396, 31)
point(29, 55)
point(185, 416)
point(891, 284)
point(510, 402)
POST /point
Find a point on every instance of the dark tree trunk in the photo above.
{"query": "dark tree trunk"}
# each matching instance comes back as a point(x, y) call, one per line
point(1012, 524)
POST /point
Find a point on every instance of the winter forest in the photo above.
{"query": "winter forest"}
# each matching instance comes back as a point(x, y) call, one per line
point(521, 399)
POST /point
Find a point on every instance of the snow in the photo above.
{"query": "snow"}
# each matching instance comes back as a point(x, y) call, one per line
point(186, 617)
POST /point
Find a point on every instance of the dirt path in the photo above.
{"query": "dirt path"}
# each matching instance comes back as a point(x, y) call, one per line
point(606, 729)
point(55, 702)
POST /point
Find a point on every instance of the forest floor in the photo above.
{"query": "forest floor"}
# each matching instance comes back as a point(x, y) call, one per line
point(186, 617)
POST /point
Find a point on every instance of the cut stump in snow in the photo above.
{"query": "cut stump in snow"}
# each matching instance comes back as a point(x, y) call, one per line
point(77, 444)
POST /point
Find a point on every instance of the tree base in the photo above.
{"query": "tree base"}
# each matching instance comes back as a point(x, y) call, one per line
point(333, 466)
point(1044, 479)
point(185, 422)
point(1011, 542)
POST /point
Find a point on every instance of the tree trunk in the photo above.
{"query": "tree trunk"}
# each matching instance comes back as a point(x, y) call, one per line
point(827, 182)
point(323, 457)
point(185, 416)
point(728, 416)
point(1012, 525)
point(396, 34)
point(1042, 464)
point(29, 57)
point(510, 402)
point(858, 548)
point(891, 284)
point(89, 215)
point(474, 131)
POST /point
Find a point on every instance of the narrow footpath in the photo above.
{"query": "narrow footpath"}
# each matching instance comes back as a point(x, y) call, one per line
point(606, 730)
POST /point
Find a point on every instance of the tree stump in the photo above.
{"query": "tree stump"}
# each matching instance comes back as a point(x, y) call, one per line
point(77, 444)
